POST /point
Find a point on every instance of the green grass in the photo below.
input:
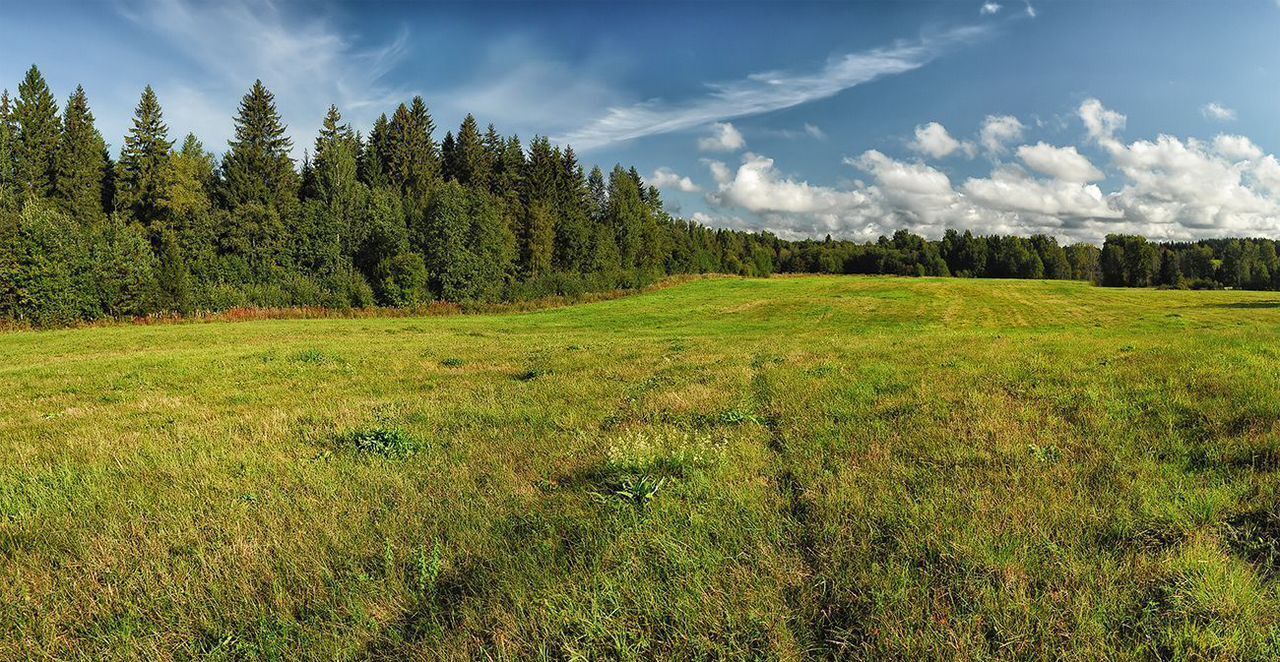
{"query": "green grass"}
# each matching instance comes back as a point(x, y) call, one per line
point(785, 468)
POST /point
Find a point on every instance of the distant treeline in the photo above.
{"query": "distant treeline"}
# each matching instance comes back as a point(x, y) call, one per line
point(1123, 260)
point(395, 218)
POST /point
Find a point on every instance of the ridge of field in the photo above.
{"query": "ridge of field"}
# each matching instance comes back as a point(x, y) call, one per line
point(781, 468)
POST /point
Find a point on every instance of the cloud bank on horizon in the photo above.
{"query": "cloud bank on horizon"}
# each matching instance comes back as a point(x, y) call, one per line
point(1168, 188)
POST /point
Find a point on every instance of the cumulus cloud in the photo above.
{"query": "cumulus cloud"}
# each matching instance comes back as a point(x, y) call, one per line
point(933, 140)
point(766, 91)
point(724, 138)
point(1064, 163)
point(666, 178)
point(989, 8)
point(1216, 111)
point(1167, 188)
point(999, 130)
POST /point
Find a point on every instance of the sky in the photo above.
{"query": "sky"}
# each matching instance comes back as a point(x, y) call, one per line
point(1075, 118)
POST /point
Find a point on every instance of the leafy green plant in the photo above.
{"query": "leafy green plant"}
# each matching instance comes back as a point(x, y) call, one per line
point(639, 490)
point(389, 442)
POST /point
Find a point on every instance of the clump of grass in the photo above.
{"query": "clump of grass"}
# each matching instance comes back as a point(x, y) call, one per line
point(389, 442)
point(452, 362)
point(312, 357)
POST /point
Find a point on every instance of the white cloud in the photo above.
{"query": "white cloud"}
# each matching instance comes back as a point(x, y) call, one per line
point(1168, 188)
point(933, 140)
point(1064, 163)
point(1216, 111)
point(765, 91)
point(1101, 123)
point(1031, 11)
point(308, 64)
point(998, 130)
point(989, 8)
point(818, 134)
point(1236, 148)
point(1010, 189)
point(724, 138)
point(666, 178)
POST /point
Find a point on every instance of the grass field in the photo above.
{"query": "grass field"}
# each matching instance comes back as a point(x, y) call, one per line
point(786, 468)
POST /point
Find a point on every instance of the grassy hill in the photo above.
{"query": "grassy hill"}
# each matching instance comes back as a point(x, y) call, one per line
point(782, 468)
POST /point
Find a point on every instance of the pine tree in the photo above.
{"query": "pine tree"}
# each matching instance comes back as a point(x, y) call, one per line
point(80, 162)
point(258, 167)
point(36, 140)
point(143, 175)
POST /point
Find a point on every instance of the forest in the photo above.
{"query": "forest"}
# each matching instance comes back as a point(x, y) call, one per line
point(396, 218)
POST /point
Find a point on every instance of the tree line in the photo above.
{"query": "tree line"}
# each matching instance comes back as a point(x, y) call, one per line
point(397, 218)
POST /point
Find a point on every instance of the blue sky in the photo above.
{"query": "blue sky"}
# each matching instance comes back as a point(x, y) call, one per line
point(1070, 117)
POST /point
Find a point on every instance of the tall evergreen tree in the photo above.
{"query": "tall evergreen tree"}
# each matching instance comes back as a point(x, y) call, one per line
point(471, 166)
point(375, 155)
point(8, 182)
point(337, 184)
point(81, 162)
point(36, 141)
point(258, 167)
point(413, 161)
point(143, 175)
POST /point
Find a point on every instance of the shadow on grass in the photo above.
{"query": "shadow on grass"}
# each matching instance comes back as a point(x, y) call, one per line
point(1245, 305)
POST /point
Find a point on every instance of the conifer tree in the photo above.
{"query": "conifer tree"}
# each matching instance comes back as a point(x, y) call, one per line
point(337, 184)
point(81, 162)
point(8, 182)
point(413, 161)
point(35, 142)
point(143, 175)
point(471, 166)
point(258, 167)
point(375, 155)
point(573, 230)
point(449, 158)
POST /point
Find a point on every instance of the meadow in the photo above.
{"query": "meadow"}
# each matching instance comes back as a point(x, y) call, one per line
point(784, 468)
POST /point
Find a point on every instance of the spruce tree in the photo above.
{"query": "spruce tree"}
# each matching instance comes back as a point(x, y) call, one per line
point(81, 162)
point(413, 161)
point(471, 165)
point(375, 155)
point(573, 232)
point(143, 174)
point(337, 184)
point(8, 183)
point(449, 158)
point(258, 167)
point(36, 140)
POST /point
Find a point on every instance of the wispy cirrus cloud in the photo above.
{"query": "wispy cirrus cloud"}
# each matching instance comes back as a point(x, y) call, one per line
point(767, 91)
point(308, 62)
